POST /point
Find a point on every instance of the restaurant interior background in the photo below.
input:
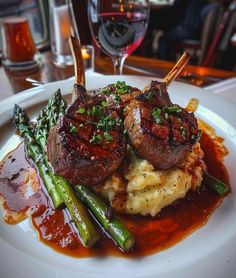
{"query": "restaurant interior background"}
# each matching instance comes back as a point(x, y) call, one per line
point(207, 29)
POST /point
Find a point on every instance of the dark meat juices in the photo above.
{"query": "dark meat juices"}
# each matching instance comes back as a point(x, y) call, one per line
point(172, 225)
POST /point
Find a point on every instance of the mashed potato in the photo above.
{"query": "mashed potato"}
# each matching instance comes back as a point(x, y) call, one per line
point(144, 190)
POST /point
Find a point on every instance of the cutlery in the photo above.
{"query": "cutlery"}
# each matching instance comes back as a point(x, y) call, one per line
point(34, 82)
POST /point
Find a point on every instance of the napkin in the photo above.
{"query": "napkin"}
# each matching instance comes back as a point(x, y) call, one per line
point(225, 88)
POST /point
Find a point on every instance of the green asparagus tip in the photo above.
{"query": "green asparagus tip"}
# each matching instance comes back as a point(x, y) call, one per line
point(20, 115)
point(215, 184)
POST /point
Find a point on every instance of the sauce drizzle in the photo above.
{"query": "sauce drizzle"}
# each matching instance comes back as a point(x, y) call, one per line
point(23, 193)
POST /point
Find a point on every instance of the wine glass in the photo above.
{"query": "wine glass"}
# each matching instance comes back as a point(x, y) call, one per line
point(118, 27)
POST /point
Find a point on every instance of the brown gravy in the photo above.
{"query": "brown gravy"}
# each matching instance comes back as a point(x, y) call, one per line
point(55, 229)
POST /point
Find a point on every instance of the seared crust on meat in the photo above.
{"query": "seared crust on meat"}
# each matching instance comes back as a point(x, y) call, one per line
point(118, 96)
point(87, 144)
point(159, 131)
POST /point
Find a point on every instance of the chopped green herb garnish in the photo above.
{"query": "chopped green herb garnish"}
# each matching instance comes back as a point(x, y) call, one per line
point(196, 137)
point(119, 121)
point(121, 87)
point(121, 91)
point(81, 110)
point(106, 91)
point(121, 84)
point(96, 110)
point(96, 139)
point(183, 132)
point(108, 136)
point(149, 96)
point(199, 134)
point(172, 109)
point(107, 123)
point(73, 130)
point(156, 113)
point(104, 103)
point(132, 125)
point(117, 99)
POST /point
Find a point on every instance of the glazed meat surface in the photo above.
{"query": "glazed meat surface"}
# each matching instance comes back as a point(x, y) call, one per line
point(87, 144)
point(118, 96)
point(159, 131)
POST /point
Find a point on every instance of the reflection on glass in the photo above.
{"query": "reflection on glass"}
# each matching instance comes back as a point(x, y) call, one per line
point(118, 27)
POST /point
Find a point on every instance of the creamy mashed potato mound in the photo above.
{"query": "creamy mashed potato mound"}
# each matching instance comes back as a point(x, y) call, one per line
point(147, 190)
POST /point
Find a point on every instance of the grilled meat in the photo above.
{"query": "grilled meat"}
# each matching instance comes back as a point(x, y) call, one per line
point(159, 131)
point(87, 144)
point(118, 96)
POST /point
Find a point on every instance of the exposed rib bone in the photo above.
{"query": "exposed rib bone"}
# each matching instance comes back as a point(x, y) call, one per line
point(176, 70)
point(75, 48)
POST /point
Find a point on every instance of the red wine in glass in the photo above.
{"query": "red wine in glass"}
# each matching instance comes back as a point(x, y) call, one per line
point(120, 31)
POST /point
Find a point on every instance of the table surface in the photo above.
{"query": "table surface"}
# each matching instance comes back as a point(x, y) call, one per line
point(12, 83)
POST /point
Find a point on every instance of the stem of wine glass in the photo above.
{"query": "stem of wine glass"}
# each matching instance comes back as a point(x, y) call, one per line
point(118, 64)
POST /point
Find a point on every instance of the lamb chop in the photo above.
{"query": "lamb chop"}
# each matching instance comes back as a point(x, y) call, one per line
point(87, 144)
point(160, 131)
point(118, 95)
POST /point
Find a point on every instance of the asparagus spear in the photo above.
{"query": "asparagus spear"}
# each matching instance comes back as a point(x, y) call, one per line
point(215, 184)
point(22, 124)
point(114, 227)
point(88, 234)
point(100, 210)
point(55, 108)
point(46, 119)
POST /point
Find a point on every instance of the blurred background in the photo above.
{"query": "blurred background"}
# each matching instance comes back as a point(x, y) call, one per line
point(207, 29)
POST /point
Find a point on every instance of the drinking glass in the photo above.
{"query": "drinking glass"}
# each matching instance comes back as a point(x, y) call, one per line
point(118, 27)
point(18, 50)
point(61, 28)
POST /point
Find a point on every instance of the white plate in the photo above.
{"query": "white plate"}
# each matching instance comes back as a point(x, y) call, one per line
point(208, 252)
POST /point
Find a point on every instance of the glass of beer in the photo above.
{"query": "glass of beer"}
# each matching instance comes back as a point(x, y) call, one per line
point(19, 50)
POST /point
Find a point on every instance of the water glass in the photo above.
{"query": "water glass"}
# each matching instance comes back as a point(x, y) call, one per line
point(62, 27)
